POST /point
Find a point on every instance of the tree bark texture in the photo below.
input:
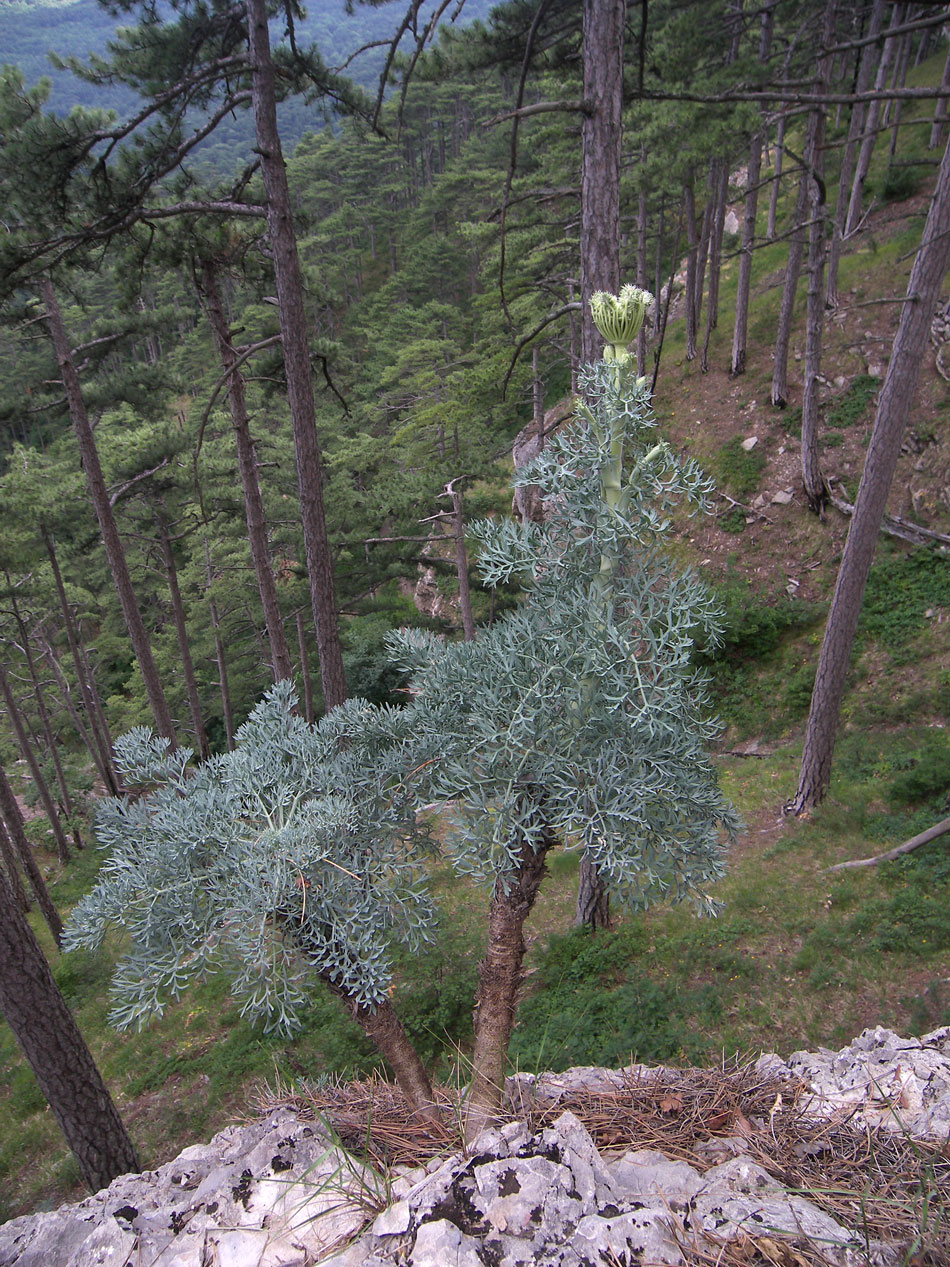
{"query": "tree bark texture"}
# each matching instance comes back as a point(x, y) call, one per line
point(13, 819)
point(601, 135)
point(281, 663)
point(107, 525)
point(101, 748)
point(383, 1027)
point(11, 869)
point(593, 900)
point(57, 1053)
point(896, 400)
point(499, 978)
point(293, 329)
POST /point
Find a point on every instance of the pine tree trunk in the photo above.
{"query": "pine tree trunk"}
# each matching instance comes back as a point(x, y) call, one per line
point(720, 193)
point(86, 739)
point(856, 127)
point(227, 712)
point(281, 663)
point(601, 136)
point(692, 266)
point(900, 79)
point(642, 258)
point(461, 561)
point(52, 746)
point(938, 130)
point(181, 633)
point(26, 748)
point(57, 1053)
point(305, 669)
point(107, 525)
point(754, 175)
point(796, 249)
point(293, 329)
point(870, 129)
point(14, 824)
point(894, 406)
point(101, 748)
point(776, 178)
point(499, 978)
point(11, 869)
point(812, 478)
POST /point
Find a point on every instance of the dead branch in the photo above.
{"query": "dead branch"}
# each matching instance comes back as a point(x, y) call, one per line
point(925, 837)
point(897, 526)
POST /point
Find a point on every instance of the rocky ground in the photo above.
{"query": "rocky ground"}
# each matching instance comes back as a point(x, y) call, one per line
point(831, 1158)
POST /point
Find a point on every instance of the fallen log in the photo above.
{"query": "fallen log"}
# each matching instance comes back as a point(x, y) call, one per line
point(925, 837)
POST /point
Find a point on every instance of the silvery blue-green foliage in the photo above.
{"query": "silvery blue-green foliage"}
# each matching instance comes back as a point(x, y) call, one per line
point(580, 713)
point(292, 857)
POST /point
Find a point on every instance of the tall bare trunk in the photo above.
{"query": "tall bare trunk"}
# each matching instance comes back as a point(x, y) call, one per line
point(776, 177)
point(227, 712)
point(281, 663)
point(783, 335)
point(39, 781)
point(304, 668)
point(293, 329)
point(14, 824)
point(11, 869)
point(461, 561)
point(894, 406)
point(107, 525)
point(754, 173)
point(601, 137)
point(812, 478)
point(938, 130)
point(869, 57)
point(871, 127)
point(52, 746)
point(718, 217)
point(181, 633)
point(57, 1053)
point(100, 749)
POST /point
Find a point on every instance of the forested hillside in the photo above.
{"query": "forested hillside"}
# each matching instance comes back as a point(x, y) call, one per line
point(776, 164)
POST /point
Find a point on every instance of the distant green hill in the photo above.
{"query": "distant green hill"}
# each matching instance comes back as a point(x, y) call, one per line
point(29, 29)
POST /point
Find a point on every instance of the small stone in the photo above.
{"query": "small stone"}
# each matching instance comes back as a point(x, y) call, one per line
point(875, 370)
point(782, 498)
point(394, 1221)
point(840, 381)
point(749, 443)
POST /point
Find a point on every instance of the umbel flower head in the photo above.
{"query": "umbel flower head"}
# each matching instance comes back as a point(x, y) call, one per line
point(619, 318)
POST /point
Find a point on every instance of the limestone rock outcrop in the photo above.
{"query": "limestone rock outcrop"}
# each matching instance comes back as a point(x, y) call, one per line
point(281, 1192)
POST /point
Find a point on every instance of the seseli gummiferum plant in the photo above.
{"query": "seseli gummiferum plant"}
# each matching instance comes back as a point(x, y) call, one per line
point(576, 721)
point(291, 861)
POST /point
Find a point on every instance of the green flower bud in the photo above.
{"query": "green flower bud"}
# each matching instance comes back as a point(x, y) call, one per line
point(619, 318)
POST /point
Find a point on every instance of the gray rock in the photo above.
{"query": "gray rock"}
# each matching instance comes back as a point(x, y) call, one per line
point(442, 1244)
point(644, 1233)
